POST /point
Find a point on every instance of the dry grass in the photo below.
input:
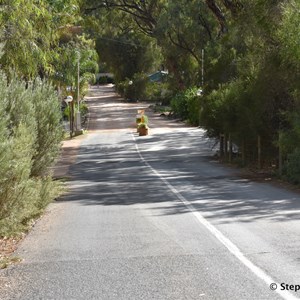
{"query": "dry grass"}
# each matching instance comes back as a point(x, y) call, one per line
point(7, 247)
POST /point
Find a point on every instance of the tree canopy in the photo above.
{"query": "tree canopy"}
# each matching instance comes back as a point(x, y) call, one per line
point(251, 56)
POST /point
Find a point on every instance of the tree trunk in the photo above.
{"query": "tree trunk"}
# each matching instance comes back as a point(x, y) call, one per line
point(230, 148)
point(259, 152)
point(243, 153)
point(280, 163)
point(225, 147)
point(221, 146)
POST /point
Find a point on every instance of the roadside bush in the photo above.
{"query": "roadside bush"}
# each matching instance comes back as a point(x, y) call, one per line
point(16, 163)
point(83, 108)
point(140, 81)
point(179, 106)
point(30, 137)
point(105, 80)
point(47, 115)
point(84, 87)
point(193, 106)
point(89, 77)
point(292, 167)
point(102, 80)
point(159, 92)
point(128, 89)
point(141, 88)
point(120, 88)
point(186, 105)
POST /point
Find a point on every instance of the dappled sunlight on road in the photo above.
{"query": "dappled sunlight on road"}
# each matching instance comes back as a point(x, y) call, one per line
point(215, 190)
point(185, 160)
point(110, 172)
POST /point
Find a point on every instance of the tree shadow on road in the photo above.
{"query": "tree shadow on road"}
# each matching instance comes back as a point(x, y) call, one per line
point(114, 174)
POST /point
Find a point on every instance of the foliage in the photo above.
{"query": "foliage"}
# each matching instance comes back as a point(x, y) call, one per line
point(27, 111)
point(143, 125)
point(292, 167)
point(105, 80)
point(141, 88)
point(181, 35)
point(139, 84)
point(158, 92)
point(126, 54)
point(69, 55)
point(186, 105)
point(44, 39)
point(258, 93)
point(49, 131)
point(133, 89)
point(288, 32)
point(125, 89)
point(26, 36)
point(83, 108)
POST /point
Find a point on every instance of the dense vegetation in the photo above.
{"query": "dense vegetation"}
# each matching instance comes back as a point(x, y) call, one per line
point(243, 55)
point(251, 67)
point(41, 43)
point(30, 134)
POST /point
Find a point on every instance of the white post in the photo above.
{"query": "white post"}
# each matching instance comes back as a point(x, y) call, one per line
point(78, 116)
point(78, 81)
point(202, 69)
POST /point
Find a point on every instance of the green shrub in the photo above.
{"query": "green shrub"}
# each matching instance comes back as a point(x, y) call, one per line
point(30, 136)
point(120, 88)
point(49, 130)
point(141, 88)
point(83, 107)
point(179, 105)
point(127, 89)
point(89, 77)
point(105, 79)
point(193, 106)
point(16, 163)
point(102, 80)
point(157, 91)
point(38, 194)
point(292, 167)
point(186, 105)
point(84, 87)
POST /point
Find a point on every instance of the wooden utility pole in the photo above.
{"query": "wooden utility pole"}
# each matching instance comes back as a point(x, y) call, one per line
point(259, 152)
point(244, 153)
point(280, 163)
point(221, 146)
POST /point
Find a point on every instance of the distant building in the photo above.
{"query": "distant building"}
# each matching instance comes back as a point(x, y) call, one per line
point(158, 76)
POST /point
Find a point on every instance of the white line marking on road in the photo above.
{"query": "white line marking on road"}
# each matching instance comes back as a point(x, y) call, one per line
point(218, 234)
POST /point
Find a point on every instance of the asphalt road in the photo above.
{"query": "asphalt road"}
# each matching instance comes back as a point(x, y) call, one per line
point(156, 218)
